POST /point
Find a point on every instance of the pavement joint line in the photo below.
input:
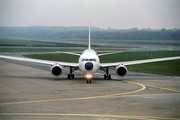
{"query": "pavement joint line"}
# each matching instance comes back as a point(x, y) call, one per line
point(89, 115)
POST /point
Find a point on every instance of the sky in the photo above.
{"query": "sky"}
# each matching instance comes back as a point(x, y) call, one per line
point(119, 14)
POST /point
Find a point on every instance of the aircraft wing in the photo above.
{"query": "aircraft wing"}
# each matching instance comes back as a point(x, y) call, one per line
point(138, 61)
point(46, 62)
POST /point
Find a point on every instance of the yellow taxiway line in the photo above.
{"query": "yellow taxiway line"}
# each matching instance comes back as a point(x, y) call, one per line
point(168, 89)
point(126, 94)
point(97, 97)
point(81, 98)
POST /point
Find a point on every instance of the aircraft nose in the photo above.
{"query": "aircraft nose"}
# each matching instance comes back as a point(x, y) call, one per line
point(89, 66)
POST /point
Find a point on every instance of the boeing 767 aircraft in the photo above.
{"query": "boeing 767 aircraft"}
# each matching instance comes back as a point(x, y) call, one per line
point(88, 64)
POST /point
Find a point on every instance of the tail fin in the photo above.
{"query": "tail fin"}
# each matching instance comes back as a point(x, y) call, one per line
point(89, 45)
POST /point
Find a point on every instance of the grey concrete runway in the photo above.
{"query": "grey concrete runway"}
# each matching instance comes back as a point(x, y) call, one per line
point(31, 93)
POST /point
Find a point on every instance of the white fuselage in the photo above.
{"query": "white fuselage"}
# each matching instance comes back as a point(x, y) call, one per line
point(89, 62)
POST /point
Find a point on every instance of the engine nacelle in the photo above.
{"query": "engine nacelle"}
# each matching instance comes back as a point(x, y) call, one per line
point(56, 70)
point(121, 70)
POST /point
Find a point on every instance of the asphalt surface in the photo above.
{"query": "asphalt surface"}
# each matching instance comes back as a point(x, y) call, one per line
point(29, 91)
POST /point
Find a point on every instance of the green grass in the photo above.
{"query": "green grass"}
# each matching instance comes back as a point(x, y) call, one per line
point(19, 42)
point(129, 56)
point(163, 68)
point(35, 50)
point(141, 42)
point(7, 41)
point(56, 57)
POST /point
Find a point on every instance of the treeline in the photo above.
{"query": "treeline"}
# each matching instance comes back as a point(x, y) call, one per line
point(139, 35)
point(96, 33)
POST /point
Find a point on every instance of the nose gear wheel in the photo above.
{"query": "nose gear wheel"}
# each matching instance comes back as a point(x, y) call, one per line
point(88, 81)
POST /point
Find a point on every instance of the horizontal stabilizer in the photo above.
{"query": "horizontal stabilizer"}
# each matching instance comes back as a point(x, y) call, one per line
point(110, 53)
point(69, 53)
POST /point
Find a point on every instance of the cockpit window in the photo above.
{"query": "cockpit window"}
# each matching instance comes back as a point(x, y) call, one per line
point(89, 60)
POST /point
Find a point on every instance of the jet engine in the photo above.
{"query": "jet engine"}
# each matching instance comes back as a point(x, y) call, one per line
point(121, 70)
point(56, 70)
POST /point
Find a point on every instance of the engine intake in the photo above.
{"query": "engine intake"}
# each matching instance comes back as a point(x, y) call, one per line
point(121, 70)
point(56, 70)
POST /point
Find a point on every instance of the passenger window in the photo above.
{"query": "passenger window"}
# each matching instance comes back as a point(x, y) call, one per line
point(88, 60)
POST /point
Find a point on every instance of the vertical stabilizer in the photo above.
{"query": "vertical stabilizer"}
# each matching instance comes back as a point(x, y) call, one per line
point(89, 45)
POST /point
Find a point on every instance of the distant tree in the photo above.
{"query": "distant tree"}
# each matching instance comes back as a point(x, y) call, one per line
point(96, 33)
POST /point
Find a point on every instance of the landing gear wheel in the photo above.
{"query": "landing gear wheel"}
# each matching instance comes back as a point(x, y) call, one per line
point(70, 76)
point(88, 81)
point(107, 76)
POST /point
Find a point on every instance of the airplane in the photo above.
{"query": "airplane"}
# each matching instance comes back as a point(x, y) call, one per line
point(89, 63)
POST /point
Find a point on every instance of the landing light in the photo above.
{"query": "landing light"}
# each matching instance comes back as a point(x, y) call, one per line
point(88, 76)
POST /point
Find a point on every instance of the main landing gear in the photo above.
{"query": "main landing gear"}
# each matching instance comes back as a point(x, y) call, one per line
point(107, 75)
point(71, 75)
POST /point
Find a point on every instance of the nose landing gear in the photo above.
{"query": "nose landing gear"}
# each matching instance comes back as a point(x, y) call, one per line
point(88, 81)
point(88, 77)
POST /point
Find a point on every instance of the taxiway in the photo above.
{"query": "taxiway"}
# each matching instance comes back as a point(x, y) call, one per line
point(29, 91)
